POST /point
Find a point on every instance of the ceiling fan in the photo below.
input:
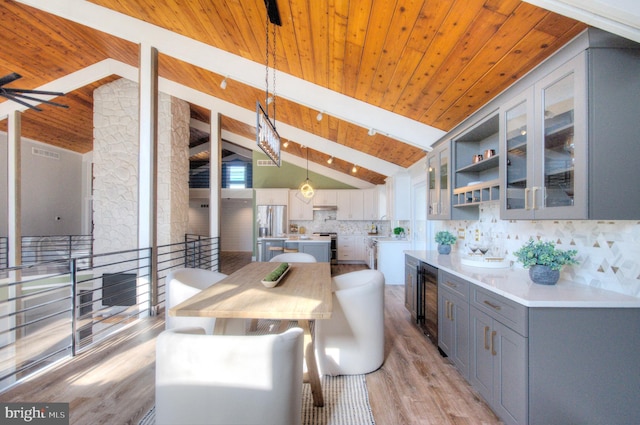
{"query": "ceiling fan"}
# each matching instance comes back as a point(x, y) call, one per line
point(17, 95)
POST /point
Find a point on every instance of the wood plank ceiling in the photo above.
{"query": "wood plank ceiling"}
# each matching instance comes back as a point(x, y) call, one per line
point(433, 61)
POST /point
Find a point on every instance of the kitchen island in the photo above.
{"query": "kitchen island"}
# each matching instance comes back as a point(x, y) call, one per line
point(539, 354)
point(318, 246)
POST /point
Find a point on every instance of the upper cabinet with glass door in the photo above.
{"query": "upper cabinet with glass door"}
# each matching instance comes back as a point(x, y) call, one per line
point(570, 141)
point(544, 137)
point(438, 189)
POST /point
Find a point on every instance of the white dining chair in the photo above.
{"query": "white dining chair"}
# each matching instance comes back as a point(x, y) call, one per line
point(230, 380)
point(293, 257)
point(351, 342)
point(182, 284)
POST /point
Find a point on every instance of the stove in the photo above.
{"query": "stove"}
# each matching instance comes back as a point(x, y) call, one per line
point(334, 244)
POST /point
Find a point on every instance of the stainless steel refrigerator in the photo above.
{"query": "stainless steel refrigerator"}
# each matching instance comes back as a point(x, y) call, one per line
point(272, 220)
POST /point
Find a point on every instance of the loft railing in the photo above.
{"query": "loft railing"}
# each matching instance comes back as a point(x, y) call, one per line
point(4, 252)
point(42, 249)
point(68, 307)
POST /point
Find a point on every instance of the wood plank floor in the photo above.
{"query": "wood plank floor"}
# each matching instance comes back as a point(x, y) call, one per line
point(113, 383)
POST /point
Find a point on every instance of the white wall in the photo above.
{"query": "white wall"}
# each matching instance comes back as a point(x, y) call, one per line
point(51, 188)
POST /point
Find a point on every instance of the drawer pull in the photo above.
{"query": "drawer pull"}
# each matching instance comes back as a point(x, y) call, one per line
point(486, 343)
point(493, 306)
point(451, 284)
point(493, 350)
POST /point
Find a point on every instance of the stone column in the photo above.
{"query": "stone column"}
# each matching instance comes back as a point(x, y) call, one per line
point(115, 167)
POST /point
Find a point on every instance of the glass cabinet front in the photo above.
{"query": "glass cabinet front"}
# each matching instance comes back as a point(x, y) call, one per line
point(559, 159)
point(438, 183)
point(516, 129)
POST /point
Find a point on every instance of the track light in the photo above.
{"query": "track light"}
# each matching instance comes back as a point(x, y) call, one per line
point(223, 84)
point(371, 132)
point(330, 160)
point(319, 116)
point(354, 169)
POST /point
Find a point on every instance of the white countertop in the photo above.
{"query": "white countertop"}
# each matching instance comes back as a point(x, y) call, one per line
point(298, 238)
point(514, 283)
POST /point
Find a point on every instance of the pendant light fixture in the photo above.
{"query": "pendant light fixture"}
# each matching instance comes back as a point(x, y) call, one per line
point(267, 137)
point(306, 190)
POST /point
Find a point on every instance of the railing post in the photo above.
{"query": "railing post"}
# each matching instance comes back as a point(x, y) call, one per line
point(74, 305)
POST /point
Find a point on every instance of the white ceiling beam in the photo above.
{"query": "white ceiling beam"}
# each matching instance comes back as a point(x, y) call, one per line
point(236, 68)
point(620, 17)
point(238, 113)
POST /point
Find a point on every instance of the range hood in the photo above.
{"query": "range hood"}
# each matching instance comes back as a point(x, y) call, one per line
point(325, 207)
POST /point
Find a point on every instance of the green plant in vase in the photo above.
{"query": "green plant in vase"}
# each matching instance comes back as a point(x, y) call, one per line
point(445, 239)
point(544, 260)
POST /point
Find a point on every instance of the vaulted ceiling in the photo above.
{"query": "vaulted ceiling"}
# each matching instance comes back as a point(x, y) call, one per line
point(408, 70)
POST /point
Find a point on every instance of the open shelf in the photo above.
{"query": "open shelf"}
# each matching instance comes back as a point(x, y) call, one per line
point(476, 194)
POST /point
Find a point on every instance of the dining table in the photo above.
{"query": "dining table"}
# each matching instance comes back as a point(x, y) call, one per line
point(303, 294)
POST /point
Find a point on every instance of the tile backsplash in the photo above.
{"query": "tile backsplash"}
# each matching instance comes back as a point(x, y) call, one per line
point(608, 251)
point(325, 221)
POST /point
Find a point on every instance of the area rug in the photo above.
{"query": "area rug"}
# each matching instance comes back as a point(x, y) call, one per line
point(346, 402)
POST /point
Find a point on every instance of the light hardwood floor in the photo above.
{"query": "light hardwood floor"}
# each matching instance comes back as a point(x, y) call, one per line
point(113, 383)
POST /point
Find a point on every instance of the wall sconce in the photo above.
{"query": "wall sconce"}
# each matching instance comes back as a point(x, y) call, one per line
point(330, 160)
point(371, 132)
point(354, 169)
point(223, 84)
point(319, 116)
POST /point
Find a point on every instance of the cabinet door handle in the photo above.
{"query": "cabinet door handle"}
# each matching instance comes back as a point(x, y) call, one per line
point(451, 284)
point(493, 335)
point(450, 311)
point(526, 198)
point(533, 197)
point(486, 342)
point(493, 306)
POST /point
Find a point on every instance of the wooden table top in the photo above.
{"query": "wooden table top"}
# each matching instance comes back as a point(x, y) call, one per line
point(303, 293)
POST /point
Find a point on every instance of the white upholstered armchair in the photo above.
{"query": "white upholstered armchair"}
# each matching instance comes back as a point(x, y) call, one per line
point(181, 284)
point(294, 257)
point(351, 342)
point(221, 379)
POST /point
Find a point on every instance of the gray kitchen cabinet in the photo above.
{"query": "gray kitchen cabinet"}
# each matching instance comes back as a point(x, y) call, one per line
point(319, 250)
point(569, 141)
point(270, 248)
point(541, 355)
point(453, 320)
point(411, 284)
point(498, 369)
point(438, 182)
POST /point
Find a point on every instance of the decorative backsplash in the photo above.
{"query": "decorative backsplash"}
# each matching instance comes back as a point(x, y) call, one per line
point(325, 221)
point(608, 251)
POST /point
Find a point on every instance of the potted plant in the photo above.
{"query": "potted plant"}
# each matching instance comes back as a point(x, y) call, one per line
point(544, 260)
point(398, 232)
point(445, 239)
